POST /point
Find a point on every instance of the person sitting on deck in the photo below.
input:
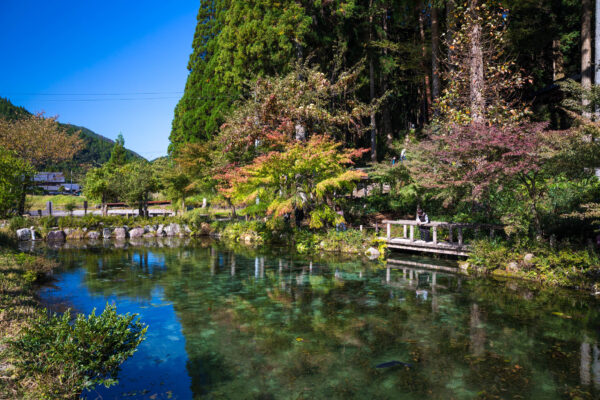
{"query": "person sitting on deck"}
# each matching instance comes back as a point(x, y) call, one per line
point(422, 218)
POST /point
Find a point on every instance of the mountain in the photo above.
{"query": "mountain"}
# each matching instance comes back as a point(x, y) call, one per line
point(96, 151)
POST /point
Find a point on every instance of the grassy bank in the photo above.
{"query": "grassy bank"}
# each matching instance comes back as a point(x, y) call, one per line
point(561, 265)
point(252, 232)
point(45, 356)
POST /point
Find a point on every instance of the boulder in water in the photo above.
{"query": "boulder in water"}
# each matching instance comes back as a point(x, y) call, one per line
point(94, 235)
point(136, 233)
point(120, 233)
point(25, 234)
point(56, 236)
point(372, 253)
point(172, 229)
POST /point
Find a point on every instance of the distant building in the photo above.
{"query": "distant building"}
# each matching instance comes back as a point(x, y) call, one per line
point(43, 178)
point(54, 183)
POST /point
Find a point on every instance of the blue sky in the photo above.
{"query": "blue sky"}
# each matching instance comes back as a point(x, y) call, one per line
point(111, 66)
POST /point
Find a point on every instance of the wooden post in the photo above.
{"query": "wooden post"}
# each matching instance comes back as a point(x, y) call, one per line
point(85, 207)
point(450, 239)
point(434, 234)
point(404, 234)
point(491, 233)
point(389, 231)
point(412, 233)
point(460, 236)
point(376, 227)
point(49, 207)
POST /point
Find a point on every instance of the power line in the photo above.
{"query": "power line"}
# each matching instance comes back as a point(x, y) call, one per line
point(91, 94)
point(142, 98)
point(117, 99)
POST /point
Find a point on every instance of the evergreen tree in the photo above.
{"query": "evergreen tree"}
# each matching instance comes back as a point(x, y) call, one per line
point(235, 40)
point(118, 155)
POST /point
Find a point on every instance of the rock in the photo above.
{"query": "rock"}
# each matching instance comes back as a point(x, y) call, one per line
point(106, 233)
point(94, 235)
point(56, 236)
point(136, 232)
point(512, 267)
point(149, 228)
point(528, 258)
point(205, 229)
point(76, 234)
point(25, 234)
point(120, 233)
point(149, 234)
point(372, 253)
point(160, 231)
point(187, 230)
point(172, 230)
point(67, 231)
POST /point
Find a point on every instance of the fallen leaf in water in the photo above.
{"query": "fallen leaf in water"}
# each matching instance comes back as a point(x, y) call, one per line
point(562, 315)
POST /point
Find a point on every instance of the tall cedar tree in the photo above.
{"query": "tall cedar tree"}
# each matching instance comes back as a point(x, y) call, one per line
point(235, 41)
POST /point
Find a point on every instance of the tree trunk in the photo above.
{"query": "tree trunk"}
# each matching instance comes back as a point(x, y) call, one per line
point(435, 54)
point(372, 90)
point(426, 84)
point(558, 71)
point(476, 76)
point(373, 121)
point(597, 53)
point(104, 207)
point(586, 50)
point(385, 112)
point(450, 33)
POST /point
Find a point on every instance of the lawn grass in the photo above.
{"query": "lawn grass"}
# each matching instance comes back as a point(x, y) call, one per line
point(38, 202)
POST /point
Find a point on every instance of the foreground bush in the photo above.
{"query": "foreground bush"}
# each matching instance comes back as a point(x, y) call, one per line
point(64, 357)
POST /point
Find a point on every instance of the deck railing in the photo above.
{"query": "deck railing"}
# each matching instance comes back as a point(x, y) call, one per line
point(452, 227)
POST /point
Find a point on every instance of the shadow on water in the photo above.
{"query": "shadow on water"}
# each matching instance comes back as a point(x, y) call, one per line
point(269, 324)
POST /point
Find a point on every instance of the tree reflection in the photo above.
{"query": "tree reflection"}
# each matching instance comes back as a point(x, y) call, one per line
point(274, 325)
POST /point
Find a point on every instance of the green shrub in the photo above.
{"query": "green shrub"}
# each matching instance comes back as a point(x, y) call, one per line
point(19, 222)
point(67, 357)
point(349, 241)
point(253, 231)
point(70, 206)
point(196, 217)
point(490, 254)
point(306, 241)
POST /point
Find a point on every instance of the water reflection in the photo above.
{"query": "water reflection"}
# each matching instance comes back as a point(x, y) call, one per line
point(252, 324)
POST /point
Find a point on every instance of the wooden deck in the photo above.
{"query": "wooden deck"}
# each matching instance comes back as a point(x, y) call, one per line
point(454, 245)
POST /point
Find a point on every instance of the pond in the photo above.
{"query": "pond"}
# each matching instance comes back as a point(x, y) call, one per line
point(236, 324)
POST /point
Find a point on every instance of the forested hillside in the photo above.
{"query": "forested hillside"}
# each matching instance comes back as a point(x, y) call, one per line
point(96, 150)
point(406, 48)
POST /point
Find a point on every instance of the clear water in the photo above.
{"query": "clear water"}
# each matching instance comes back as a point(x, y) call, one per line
point(227, 324)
